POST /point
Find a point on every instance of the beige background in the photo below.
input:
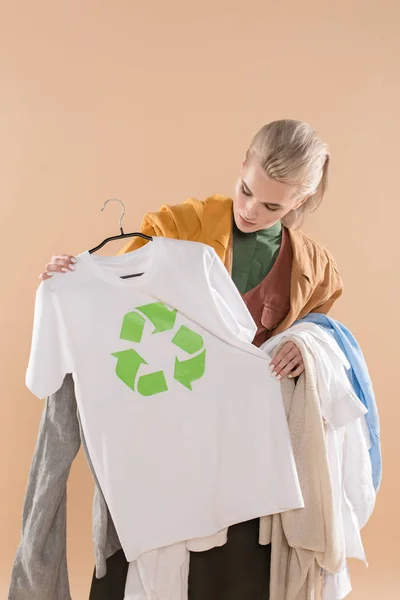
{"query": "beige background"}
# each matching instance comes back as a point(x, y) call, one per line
point(155, 101)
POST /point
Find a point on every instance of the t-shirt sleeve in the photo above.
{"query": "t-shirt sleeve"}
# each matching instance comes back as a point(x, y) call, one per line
point(48, 361)
point(229, 302)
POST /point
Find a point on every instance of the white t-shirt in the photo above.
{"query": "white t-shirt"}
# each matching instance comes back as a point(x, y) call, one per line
point(184, 424)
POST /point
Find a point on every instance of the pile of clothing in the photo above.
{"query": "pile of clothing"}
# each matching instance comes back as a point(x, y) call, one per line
point(309, 449)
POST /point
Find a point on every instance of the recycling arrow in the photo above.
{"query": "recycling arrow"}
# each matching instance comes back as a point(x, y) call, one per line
point(128, 365)
point(129, 361)
point(132, 327)
point(153, 383)
point(160, 315)
point(188, 340)
point(187, 371)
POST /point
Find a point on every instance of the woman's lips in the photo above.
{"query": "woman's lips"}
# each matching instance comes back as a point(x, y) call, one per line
point(248, 223)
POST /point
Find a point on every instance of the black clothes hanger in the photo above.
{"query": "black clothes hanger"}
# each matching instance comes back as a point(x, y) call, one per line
point(121, 236)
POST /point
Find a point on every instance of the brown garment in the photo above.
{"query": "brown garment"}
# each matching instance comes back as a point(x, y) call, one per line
point(269, 302)
point(315, 282)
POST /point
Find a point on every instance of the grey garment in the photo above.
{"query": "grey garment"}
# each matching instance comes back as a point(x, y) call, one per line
point(40, 567)
point(105, 538)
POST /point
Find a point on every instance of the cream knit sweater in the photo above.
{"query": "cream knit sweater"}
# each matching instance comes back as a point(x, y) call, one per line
point(304, 540)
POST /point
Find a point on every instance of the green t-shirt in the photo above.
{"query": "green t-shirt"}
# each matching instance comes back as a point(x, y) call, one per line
point(254, 255)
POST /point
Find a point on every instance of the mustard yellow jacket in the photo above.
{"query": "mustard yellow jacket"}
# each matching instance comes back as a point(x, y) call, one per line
point(315, 283)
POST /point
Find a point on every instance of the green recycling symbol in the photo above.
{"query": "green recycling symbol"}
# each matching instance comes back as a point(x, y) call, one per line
point(130, 361)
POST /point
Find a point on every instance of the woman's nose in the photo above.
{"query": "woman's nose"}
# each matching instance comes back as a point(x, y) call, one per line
point(250, 210)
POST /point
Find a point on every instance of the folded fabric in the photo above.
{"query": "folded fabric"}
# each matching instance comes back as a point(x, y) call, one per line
point(163, 574)
point(302, 540)
point(360, 379)
point(347, 442)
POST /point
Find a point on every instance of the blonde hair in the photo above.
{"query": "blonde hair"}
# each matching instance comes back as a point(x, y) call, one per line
point(292, 152)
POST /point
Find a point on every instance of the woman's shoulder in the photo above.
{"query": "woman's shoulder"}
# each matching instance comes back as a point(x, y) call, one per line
point(208, 221)
point(312, 260)
point(212, 207)
point(197, 220)
point(313, 263)
point(309, 249)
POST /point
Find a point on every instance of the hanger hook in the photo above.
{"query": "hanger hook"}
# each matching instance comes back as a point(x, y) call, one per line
point(122, 214)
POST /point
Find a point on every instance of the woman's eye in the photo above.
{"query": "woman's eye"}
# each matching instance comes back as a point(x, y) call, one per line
point(271, 208)
point(245, 191)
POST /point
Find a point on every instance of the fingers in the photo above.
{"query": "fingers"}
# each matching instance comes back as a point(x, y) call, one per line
point(291, 356)
point(60, 263)
point(44, 276)
point(297, 372)
point(288, 361)
point(64, 260)
point(286, 349)
point(291, 367)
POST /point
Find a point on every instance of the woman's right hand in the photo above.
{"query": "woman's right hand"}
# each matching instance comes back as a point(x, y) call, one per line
point(60, 263)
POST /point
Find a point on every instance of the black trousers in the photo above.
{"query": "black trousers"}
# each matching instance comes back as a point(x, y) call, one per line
point(239, 570)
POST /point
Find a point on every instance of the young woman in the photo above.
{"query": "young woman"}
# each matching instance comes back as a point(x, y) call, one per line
point(282, 274)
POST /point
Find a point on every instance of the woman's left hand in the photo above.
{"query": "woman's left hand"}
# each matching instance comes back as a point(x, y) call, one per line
point(288, 362)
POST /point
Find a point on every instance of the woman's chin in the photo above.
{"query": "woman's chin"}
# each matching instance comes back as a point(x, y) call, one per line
point(244, 226)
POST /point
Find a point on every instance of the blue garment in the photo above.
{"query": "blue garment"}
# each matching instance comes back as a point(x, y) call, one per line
point(361, 382)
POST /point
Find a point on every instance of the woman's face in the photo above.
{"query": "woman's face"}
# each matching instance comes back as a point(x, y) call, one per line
point(259, 201)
